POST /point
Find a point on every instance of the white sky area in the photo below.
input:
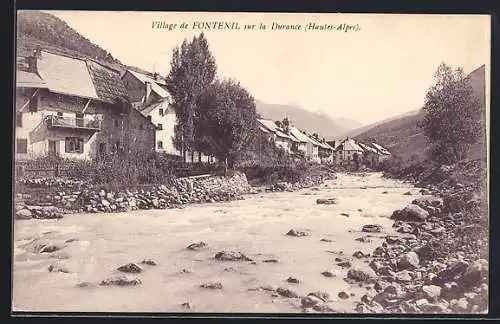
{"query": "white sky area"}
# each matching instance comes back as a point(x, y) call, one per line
point(379, 72)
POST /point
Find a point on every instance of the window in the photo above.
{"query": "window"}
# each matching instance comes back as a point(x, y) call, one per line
point(19, 119)
point(74, 145)
point(149, 118)
point(22, 145)
point(160, 126)
point(79, 119)
point(161, 112)
point(160, 145)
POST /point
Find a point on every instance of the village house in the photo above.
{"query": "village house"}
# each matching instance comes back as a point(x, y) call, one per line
point(278, 134)
point(149, 96)
point(347, 152)
point(74, 108)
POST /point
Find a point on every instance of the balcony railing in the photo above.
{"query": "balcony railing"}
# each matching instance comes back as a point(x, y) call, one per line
point(73, 123)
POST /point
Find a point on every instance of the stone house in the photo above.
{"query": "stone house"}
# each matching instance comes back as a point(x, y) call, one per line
point(281, 138)
point(74, 108)
point(148, 95)
point(347, 151)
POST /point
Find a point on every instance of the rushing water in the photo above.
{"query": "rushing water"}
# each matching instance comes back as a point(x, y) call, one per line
point(255, 226)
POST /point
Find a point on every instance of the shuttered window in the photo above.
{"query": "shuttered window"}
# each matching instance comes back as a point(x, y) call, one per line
point(22, 145)
point(73, 145)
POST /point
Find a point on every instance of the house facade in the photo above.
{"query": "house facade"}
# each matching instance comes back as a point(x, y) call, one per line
point(149, 96)
point(281, 138)
point(74, 108)
point(347, 152)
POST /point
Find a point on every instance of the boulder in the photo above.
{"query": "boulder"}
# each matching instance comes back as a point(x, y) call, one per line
point(149, 262)
point(343, 295)
point(372, 228)
point(23, 214)
point(431, 292)
point(55, 268)
point(121, 281)
point(271, 261)
point(363, 239)
point(475, 273)
point(403, 276)
point(310, 301)
point(285, 292)
point(211, 285)
point(459, 306)
point(361, 275)
point(326, 201)
point(328, 274)
point(453, 271)
point(359, 255)
point(323, 296)
point(296, 233)
point(326, 240)
point(197, 246)
point(231, 256)
point(186, 305)
point(292, 280)
point(130, 268)
point(409, 260)
point(411, 213)
point(323, 308)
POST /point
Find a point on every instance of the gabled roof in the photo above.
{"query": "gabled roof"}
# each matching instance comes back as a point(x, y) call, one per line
point(381, 149)
point(301, 137)
point(107, 82)
point(367, 147)
point(273, 128)
point(155, 84)
point(349, 145)
point(29, 80)
point(162, 104)
point(66, 75)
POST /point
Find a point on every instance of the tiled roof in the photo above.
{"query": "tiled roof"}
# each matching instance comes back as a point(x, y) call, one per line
point(272, 127)
point(66, 75)
point(349, 145)
point(155, 84)
point(165, 104)
point(299, 135)
point(381, 149)
point(29, 80)
point(107, 82)
point(144, 77)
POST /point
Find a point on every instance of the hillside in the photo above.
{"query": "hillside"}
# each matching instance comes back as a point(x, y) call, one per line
point(403, 137)
point(40, 29)
point(312, 122)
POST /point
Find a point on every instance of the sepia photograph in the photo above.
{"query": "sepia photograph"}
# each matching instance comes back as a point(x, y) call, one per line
point(210, 162)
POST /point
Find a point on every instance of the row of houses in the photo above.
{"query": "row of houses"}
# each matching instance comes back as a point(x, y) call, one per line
point(80, 108)
point(348, 151)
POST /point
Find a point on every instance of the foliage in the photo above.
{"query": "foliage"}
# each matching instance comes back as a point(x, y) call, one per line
point(48, 28)
point(228, 121)
point(193, 69)
point(452, 119)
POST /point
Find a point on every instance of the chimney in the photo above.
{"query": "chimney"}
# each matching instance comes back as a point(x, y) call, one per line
point(156, 76)
point(33, 59)
point(148, 91)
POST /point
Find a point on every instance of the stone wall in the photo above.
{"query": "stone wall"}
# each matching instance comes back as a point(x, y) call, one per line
point(180, 192)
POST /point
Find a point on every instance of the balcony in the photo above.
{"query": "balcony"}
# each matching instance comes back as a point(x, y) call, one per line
point(73, 123)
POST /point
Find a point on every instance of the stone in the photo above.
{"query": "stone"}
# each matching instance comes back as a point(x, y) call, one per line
point(409, 260)
point(326, 240)
point(459, 306)
point(105, 203)
point(344, 214)
point(372, 228)
point(359, 255)
point(292, 280)
point(296, 233)
point(231, 256)
point(381, 285)
point(121, 281)
point(197, 246)
point(363, 239)
point(321, 295)
point(130, 268)
point(408, 193)
point(362, 275)
point(431, 292)
point(186, 305)
point(403, 276)
point(343, 295)
point(55, 268)
point(476, 273)
point(327, 201)
point(323, 308)
point(310, 301)
point(453, 271)
point(271, 261)
point(211, 285)
point(149, 262)
point(23, 214)
point(410, 213)
point(328, 274)
point(85, 284)
point(285, 292)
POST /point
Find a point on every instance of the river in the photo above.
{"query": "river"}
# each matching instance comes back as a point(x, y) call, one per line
point(255, 226)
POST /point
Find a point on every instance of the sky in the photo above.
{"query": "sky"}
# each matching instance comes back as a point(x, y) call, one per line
point(378, 72)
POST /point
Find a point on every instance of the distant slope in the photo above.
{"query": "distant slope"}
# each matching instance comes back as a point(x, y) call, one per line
point(36, 28)
point(403, 137)
point(309, 121)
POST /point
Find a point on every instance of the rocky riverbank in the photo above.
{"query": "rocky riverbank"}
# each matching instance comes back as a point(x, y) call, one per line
point(438, 263)
point(55, 197)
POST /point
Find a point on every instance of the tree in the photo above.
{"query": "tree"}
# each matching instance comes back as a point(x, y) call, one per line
point(192, 70)
point(228, 121)
point(452, 120)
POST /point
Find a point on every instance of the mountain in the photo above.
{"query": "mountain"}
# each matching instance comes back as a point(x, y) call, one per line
point(40, 29)
point(403, 137)
point(311, 122)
